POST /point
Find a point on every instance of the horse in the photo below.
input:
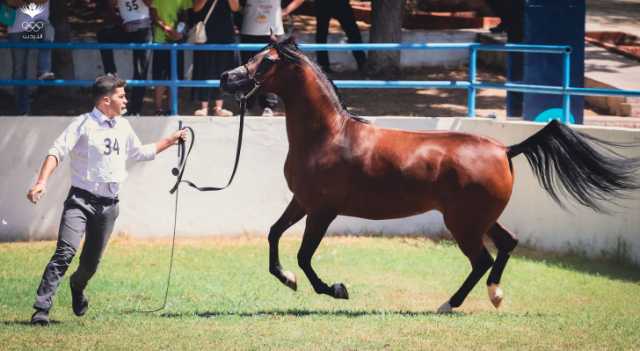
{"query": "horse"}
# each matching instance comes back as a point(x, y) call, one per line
point(340, 164)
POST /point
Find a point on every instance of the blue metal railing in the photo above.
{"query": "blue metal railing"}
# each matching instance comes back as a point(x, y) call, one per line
point(472, 84)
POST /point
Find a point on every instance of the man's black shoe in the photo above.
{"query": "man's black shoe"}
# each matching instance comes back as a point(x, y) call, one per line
point(79, 302)
point(40, 317)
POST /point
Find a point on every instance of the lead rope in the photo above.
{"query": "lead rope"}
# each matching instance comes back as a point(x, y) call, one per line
point(183, 156)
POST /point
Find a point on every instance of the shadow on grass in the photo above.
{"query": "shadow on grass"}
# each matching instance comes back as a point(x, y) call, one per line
point(26, 323)
point(612, 268)
point(333, 313)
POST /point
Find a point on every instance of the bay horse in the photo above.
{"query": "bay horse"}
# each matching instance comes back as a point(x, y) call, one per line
point(340, 164)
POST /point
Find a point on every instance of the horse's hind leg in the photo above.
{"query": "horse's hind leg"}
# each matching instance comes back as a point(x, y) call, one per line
point(481, 261)
point(505, 242)
point(315, 230)
point(292, 214)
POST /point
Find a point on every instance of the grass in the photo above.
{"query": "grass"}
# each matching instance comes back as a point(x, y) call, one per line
point(223, 298)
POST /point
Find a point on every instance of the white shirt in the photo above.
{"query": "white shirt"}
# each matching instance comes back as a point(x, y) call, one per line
point(261, 17)
point(99, 152)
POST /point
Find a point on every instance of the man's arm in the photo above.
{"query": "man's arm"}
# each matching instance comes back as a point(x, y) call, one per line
point(198, 5)
point(234, 5)
point(171, 33)
point(172, 139)
point(60, 149)
point(293, 5)
point(38, 189)
point(111, 13)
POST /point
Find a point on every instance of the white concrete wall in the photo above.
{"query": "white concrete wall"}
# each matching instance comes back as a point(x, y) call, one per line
point(259, 193)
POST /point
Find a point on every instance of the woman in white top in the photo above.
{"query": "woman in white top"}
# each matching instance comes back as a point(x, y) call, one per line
point(261, 19)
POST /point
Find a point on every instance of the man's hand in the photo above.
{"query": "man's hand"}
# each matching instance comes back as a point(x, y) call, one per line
point(170, 140)
point(180, 135)
point(173, 34)
point(36, 192)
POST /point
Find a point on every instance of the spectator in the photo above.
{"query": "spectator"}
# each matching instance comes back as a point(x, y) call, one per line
point(342, 11)
point(211, 64)
point(31, 25)
point(169, 28)
point(129, 22)
point(261, 19)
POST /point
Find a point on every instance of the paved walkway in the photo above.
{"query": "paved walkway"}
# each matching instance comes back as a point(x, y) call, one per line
point(614, 15)
point(606, 69)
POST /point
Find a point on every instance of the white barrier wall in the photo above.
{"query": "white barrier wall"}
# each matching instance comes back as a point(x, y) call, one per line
point(259, 193)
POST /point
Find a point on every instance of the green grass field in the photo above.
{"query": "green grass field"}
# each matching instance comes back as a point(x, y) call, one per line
point(223, 298)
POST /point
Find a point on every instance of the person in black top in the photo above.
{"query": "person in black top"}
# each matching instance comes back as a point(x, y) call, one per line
point(211, 64)
point(342, 11)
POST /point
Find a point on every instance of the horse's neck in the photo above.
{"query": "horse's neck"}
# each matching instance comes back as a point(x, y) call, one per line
point(311, 112)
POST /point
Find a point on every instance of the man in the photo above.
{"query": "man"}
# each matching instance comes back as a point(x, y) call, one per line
point(130, 21)
point(98, 144)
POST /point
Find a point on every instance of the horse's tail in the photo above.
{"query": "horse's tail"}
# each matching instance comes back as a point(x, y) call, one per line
point(586, 167)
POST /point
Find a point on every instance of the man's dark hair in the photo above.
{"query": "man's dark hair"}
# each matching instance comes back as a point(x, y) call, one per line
point(106, 85)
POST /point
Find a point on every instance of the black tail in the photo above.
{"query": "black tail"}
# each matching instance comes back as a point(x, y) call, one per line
point(586, 167)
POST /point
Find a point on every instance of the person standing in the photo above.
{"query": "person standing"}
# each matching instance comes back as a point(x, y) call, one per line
point(170, 27)
point(31, 24)
point(342, 11)
point(98, 145)
point(262, 19)
point(129, 22)
point(210, 64)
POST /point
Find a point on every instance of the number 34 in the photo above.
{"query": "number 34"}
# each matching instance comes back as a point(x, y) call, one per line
point(111, 146)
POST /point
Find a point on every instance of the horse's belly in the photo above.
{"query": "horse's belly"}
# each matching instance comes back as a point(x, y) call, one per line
point(388, 204)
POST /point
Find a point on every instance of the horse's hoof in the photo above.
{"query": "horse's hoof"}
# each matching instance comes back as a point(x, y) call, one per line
point(445, 308)
point(340, 291)
point(290, 280)
point(495, 295)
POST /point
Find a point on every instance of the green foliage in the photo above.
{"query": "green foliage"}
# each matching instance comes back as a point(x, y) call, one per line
point(223, 298)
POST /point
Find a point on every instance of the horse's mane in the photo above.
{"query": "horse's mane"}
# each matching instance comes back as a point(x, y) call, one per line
point(289, 51)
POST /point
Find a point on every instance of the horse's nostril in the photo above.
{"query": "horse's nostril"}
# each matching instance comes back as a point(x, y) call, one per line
point(224, 77)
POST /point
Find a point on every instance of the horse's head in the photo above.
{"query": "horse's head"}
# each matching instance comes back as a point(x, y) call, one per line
point(260, 70)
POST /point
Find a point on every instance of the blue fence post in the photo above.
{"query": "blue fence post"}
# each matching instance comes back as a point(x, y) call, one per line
point(566, 80)
point(174, 80)
point(471, 91)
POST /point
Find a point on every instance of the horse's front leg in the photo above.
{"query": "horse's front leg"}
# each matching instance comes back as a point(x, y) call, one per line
point(314, 231)
point(292, 214)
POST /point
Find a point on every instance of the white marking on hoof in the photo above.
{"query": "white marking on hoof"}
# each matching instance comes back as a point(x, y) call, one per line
point(291, 280)
point(495, 295)
point(445, 308)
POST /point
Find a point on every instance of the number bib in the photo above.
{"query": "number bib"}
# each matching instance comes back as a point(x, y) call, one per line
point(132, 10)
point(107, 157)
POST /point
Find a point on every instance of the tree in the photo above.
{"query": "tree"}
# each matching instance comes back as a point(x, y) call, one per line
point(386, 27)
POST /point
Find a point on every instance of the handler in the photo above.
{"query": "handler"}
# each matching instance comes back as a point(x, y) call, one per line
point(98, 144)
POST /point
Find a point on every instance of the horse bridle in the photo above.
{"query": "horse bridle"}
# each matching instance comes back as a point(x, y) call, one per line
point(263, 66)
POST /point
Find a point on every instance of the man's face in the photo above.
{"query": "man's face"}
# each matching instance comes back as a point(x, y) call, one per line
point(117, 102)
